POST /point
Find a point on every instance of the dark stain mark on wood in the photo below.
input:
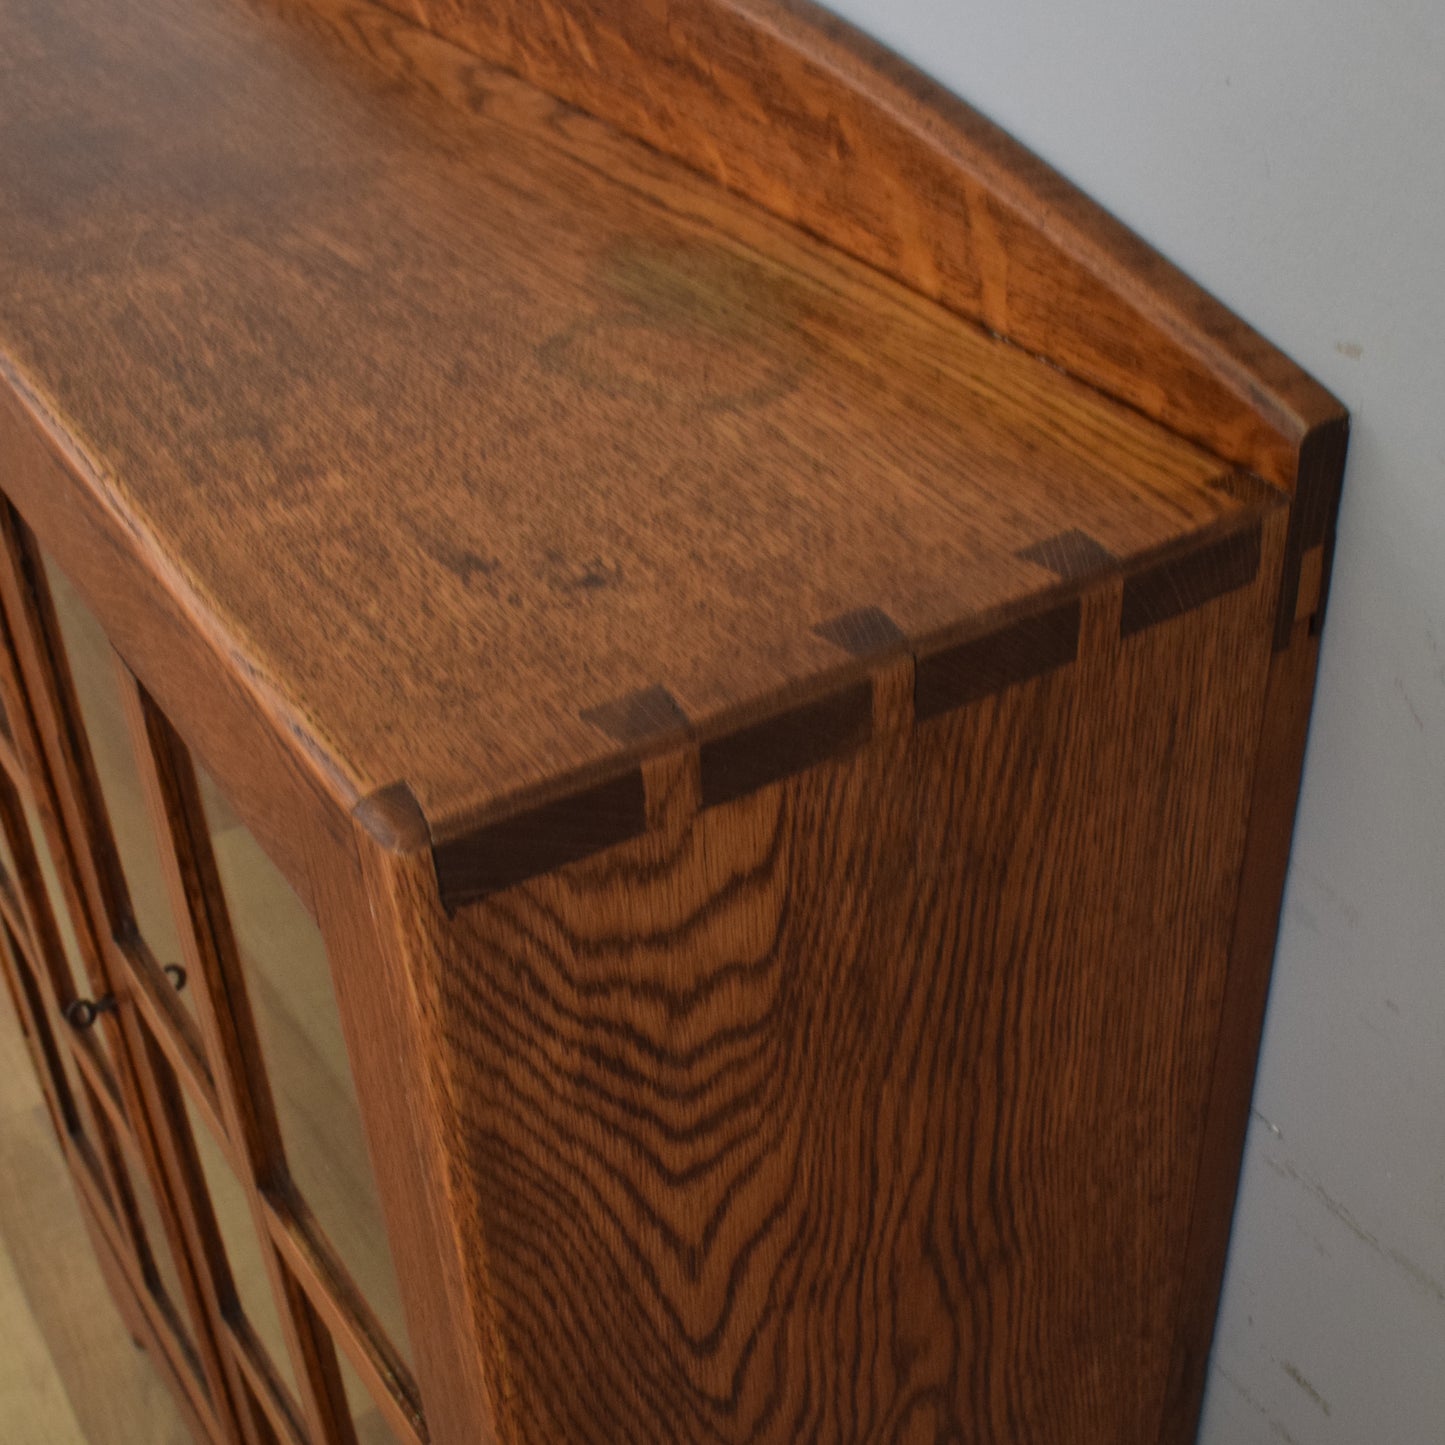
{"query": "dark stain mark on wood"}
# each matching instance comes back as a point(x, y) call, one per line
point(547, 837)
point(632, 357)
point(789, 743)
point(1181, 583)
point(467, 563)
point(1070, 555)
point(567, 576)
point(985, 665)
point(647, 712)
point(862, 632)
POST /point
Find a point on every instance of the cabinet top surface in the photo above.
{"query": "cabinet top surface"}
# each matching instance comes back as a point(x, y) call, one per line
point(459, 417)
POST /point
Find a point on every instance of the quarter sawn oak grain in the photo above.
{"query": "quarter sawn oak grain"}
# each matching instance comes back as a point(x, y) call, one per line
point(857, 1110)
point(771, 640)
point(414, 403)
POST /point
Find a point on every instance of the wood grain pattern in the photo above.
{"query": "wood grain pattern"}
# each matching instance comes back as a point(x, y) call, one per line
point(1271, 821)
point(86, 921)
point(383, 917)
point(1036, 643)
point(1312, 525)
point(794, 109)
point(1188, 579)
point(495, 857)
point(790, 742)
point(246, 1096)
point(776, 1125)
point(643, 715)
point(1070, 555)
point(770, 637)
point(271, 777)
point(579, 420)
point(862, 631)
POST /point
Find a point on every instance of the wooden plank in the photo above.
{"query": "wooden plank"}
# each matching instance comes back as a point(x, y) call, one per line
point(1266, 860)
point(383, 918)
point(349, 1318)
point(158, 1333)
point(234, 1052)
point(440, 457)
point(266, 1390)
point(116, 1079)
point(201, 1240)
point(788, 105)
point(177, 653)
point(879, 1090)
point(964, 673)
point(584, 414)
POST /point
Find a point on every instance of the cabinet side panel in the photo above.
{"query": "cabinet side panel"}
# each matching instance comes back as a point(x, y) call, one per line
point(867, 1107)
point(1276, 792)
point(382, 925)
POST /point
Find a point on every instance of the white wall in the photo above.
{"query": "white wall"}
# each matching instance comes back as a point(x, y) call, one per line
point(1290, 155)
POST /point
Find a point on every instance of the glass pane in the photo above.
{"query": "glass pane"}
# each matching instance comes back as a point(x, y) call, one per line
point(371, 1427)
point(237, 1228)
point(163, 1279)
point(288, 981)
point(92, 669)
point(63, 1080)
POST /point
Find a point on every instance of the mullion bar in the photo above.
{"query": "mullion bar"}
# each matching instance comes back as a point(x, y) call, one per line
point(35, 782)
point(155, 993)
point(13, 912)
point(147, 1244)
point(41, 924)
point(138, 1251)
point(169, 1348)
point(13, 700)
point(39, 1036)
point(54, 978)
point(249, 1355)
point(178, 1053)
point(349, 1317)
point(234, 1050)
point(9, 758)
point(55, 708)
point(37, 927)
point(62, 1096)
point(199, 1226)
point(59, 759)
point(127, 955)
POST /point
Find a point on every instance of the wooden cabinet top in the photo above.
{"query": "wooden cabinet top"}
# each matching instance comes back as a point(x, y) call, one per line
point(495, 447)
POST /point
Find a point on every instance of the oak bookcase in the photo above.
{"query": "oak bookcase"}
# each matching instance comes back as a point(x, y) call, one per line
point(653, 697)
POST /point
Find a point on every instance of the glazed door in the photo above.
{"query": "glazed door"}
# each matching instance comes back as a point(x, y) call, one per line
point(181, 1006)
point(61, 983)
